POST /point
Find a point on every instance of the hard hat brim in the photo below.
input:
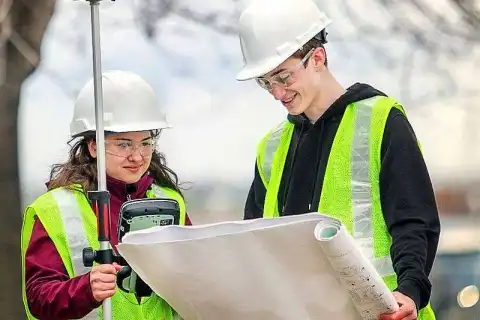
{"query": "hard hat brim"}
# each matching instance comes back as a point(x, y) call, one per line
point(139, 127)
point(154, 125)
point(249, 72)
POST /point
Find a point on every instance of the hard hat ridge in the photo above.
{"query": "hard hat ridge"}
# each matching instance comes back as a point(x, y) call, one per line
point(129, 104)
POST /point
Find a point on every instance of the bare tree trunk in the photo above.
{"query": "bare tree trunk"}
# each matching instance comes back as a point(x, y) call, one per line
point(24, 29)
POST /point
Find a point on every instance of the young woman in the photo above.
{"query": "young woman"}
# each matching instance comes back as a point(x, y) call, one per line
point(61, 222)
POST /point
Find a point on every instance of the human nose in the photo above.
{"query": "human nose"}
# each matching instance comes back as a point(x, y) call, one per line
point(136, 154)
point(278, 91)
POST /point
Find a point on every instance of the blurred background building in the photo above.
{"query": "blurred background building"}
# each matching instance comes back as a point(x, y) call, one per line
point(426, 53)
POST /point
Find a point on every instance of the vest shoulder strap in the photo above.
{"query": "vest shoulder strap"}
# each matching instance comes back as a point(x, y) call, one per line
point(164, 192)
point(266, 149)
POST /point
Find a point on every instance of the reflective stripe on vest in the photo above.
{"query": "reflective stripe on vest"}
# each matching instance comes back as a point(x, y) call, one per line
point(74, 228)
point(362, 187)
point(75, 234)
point(271, 146)
point(159, 192)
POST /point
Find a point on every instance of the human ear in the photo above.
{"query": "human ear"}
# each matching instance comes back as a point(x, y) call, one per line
point(92, 148)
point(319, 56)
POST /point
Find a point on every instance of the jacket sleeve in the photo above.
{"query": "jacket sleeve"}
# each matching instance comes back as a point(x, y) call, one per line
point(255, 198)
point(409, 208)
point(51, 294)
point(188, 222)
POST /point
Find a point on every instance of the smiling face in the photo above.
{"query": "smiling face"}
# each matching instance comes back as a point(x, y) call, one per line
point(296, 83)
point(127, 156)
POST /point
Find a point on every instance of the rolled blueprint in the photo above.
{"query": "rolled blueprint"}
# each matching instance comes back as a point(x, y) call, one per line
point(357, 274)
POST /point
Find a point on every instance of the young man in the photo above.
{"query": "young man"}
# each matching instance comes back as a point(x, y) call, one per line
point(350, 153)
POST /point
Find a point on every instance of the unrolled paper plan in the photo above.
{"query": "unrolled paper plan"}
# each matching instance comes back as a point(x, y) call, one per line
point(290, 268)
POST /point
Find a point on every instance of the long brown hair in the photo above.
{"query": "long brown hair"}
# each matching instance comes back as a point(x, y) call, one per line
point(81, 168)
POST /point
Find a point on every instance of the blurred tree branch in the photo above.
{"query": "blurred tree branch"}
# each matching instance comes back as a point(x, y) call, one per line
point(435, 30)
point(23, 24)
point(151, 12)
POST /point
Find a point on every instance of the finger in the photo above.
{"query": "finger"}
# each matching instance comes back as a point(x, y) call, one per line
point(411, 317)
point(105, 294)
point(105, 278)
point(107, 268)
point(386, 316)
point(102, 286)
point(398, 315)
point(402, 313)
point(117, 266)
point(397, 294)
point(400, 298)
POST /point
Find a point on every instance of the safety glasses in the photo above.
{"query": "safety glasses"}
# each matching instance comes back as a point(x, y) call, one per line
point(284, 78)
point(125, 148)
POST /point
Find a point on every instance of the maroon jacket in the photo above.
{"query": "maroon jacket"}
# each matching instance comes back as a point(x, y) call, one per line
point(51, 294)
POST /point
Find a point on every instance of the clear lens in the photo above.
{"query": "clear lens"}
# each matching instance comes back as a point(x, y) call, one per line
point(125, 148)
point(263, 83)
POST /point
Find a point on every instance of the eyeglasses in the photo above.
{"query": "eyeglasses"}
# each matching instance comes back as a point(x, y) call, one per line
point(284, 78)
point(125, 148)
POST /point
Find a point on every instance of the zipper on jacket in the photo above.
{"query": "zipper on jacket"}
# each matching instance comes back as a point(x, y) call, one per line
point(129, 190)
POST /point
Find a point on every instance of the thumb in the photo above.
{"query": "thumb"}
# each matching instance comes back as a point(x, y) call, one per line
point(117, 266)
point(399, 297)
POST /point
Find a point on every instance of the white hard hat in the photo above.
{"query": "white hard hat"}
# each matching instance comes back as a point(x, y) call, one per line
point(271, 31)
point(129, 104)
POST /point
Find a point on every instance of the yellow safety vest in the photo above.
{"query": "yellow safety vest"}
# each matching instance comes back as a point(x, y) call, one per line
point(70, 222)
point(351, 189)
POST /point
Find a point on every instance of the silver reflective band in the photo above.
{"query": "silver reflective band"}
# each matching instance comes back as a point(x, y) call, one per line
point(271, 147)
point(159, 193)
point(362, 187)
point(383, 266)
point(74, 228)
point(75, 233)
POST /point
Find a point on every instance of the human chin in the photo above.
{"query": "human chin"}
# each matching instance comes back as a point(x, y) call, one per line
point(296, 105)
point(132, 174)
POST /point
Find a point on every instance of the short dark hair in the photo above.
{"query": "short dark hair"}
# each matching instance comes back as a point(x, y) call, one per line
point(316, 42)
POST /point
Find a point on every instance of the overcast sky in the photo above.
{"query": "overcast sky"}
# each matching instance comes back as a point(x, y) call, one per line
point(217, 120)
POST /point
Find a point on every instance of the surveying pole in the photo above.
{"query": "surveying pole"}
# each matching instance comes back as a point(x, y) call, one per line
point(101, 197)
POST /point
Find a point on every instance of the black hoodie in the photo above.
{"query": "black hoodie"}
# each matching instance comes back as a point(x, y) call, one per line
point(406, 192)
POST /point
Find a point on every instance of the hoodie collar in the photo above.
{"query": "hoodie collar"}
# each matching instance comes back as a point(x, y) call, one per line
point(120, 189)
point(356, 92)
